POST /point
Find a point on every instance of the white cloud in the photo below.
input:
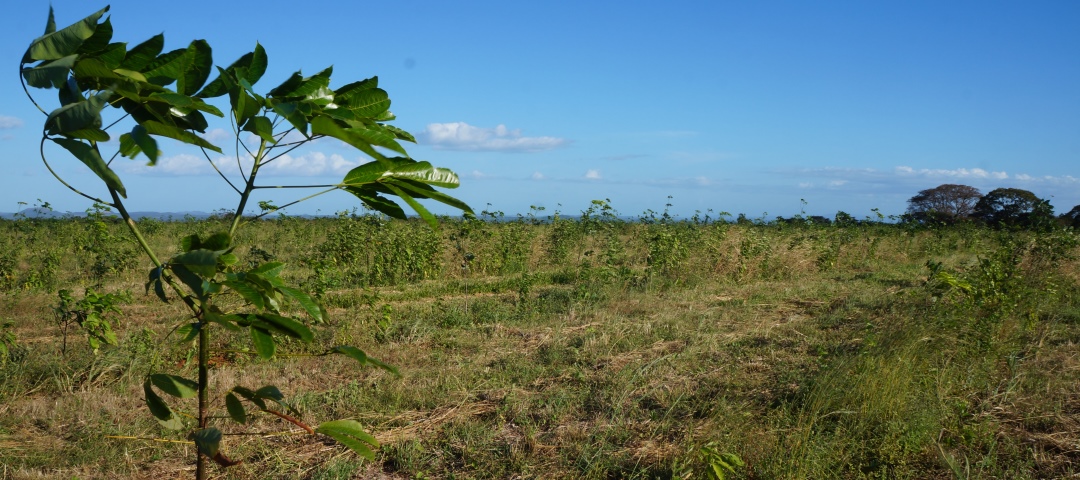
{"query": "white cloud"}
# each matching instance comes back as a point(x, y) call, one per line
point(462, 136)
point(537, 176)
point(976, 173)
point(308, 165)
point(7, 122)
point(593, 174)
point(218, 135)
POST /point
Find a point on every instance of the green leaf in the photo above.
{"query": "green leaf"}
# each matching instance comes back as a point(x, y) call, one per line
point(251, 294)
point(189, 332)
point(175, 386)
point(416, 206)
point(62, 43)
point(139, 57)
point(424, 191)
point(351, 434)
point(196, 69)
point(322, 125)
point(155, 280)
point(197, 285)
point(307, 301)
point(159, 409)
point(360, 356)
point(93, 68)
point(400, 134)
point(269, 269)
point(146, 143)
point(264, 342)
point(95, 134)
point(51, 74)
point(167, 67)
point(251, 396)
point(235, 408)
point(89, 156)
point(208, 440)
point(217, 241)
point(99, 40)
point(287, 325)
point(382, 204)
point(227, 321)
point(200, 261)
point(157, 128)
point(425, 173)
point(261, 126)
point(250, 67)
point(365, 174)
point(270, 392)
point(367, 103)
point(50, 25)
point(77, 116)
point(290, 112)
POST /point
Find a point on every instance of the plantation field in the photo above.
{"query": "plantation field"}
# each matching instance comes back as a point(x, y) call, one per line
point(553, 347)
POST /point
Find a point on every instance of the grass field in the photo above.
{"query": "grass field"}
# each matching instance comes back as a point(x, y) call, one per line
point(592, 347)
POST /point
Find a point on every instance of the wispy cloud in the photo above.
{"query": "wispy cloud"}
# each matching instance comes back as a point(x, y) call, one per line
point(537, 176)
point(958, 173)
point(7, 122)
point(593, 174)
point(462, 136)
point(312, 164)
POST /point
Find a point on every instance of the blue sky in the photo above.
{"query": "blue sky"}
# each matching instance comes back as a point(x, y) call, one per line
point(747, 107)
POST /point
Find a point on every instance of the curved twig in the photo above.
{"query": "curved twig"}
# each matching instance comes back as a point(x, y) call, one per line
point(27, 91)
point(218, 170)
point(41, 151)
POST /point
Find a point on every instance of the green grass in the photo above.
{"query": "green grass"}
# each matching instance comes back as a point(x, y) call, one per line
point(593, 348)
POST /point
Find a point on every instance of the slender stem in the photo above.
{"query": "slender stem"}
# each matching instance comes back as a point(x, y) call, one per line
point(41, 150)
point(249, 187)
point(204, 392)
point(31, 97)
point(294, 202)
point(218, 170)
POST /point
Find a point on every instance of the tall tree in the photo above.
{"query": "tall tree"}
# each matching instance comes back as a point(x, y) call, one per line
point(1014, 207)
point(1072, 218)
point(945, 203)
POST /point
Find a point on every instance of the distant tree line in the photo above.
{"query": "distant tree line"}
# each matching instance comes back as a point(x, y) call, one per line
point(1002, 207)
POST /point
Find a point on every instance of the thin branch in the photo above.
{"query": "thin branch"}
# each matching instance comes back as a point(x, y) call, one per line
point(117, 121)
point(109, 163)
point(27, 91)
point(218, 170)
point(41, 150)
point(292, 146)
point(150, 439)
point(287, 205)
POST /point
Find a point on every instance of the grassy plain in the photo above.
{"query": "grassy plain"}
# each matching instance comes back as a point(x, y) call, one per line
point(590, 347)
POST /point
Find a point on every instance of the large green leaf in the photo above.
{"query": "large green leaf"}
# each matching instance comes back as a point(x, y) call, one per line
point(323, 125)
point(99, 40)
point(250, 67)
point(291, 112)
point(92, 68)
point(367, 103)
point(159, 409)
point(351, 434)
point(167, 67)
point(50, 24)
point(77, 116)
point(359, 355)
point(235, 408)
point(62, 43)
point(251, 396)
point(264, 342)
point(174, 385)
point(201, 261)
point(310, 305)
point(286, 325)
point(146, 143)
point(261, 126)
point(208, 440)
point(142, 54)
point(51, 74)
point(424, 191)
point(196, 68)
point(416, 206)
point(161, 129)
point(425, 173)
point(89, 156)
point(367, 173)
point(381, 204)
